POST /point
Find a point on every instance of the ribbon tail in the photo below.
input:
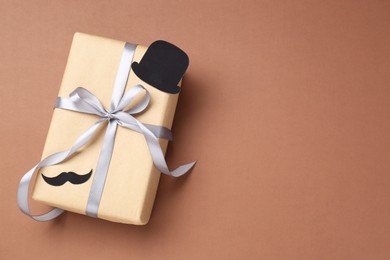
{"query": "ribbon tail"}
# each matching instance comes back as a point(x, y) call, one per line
point(160, 131)
point(50, 160)
point(158, 155)
point(182, 169)
point(23, 199)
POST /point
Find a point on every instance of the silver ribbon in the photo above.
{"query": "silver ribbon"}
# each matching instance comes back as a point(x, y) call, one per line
point(81, 100)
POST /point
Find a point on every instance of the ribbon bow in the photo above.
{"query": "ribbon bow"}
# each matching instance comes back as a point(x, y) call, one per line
point(83, 101)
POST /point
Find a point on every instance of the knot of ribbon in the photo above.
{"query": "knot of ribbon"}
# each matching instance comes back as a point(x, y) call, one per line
point(83, 101)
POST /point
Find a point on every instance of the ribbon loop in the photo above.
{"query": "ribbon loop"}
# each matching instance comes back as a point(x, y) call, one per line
point(129, 96)
point(82, 96)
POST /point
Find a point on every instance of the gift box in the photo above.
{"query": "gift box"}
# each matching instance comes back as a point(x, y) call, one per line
point(131, 180)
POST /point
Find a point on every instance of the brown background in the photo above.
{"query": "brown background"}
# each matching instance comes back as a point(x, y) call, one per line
point(285, 105)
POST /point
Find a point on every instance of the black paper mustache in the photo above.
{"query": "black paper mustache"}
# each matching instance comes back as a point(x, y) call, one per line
point(63, 177)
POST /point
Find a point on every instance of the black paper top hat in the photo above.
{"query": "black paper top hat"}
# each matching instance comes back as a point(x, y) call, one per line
point(162, 66)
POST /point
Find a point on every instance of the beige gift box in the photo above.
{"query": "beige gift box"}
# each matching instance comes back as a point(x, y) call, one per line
point(132, 179)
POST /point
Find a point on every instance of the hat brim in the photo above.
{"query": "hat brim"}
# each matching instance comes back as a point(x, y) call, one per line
point(144, 77)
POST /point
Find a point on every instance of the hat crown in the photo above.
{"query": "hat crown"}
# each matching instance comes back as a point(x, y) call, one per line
point(162, 66)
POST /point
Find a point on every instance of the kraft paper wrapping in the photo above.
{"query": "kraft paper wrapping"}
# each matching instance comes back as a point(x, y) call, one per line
point(132, 179)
